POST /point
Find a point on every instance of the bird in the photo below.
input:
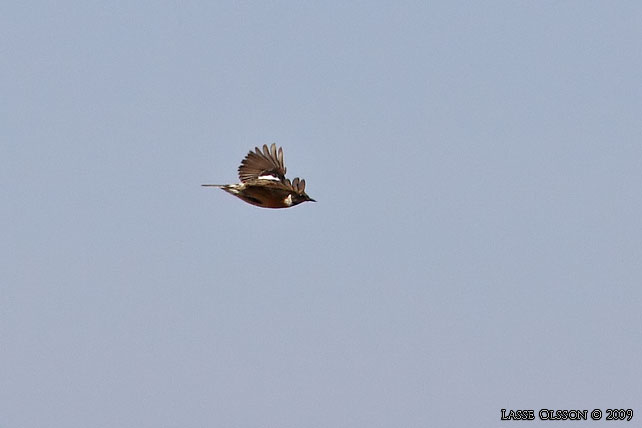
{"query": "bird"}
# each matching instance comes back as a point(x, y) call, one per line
point(263, 182)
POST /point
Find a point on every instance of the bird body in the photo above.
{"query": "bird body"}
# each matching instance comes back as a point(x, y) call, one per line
point(263, 181)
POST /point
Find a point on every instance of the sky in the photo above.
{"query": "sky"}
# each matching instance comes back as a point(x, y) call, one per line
point(476, 244)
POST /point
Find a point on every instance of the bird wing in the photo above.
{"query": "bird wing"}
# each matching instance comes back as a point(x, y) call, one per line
point(297, 185)
point(267, 165)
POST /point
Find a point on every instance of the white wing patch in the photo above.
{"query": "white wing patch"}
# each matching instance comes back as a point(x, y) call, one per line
point(268, 177)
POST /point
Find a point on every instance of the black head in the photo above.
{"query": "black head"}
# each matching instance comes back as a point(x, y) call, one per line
point(300, 198)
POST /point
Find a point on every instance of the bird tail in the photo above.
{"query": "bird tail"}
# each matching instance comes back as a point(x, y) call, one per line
point(229, 188)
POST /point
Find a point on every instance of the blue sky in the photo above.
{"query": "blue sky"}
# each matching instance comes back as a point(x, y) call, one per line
point(476, 244)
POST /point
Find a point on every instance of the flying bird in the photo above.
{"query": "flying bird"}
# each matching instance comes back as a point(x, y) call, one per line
point(263, 182)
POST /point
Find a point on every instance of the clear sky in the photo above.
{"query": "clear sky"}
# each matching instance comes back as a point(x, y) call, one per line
point(476, 244)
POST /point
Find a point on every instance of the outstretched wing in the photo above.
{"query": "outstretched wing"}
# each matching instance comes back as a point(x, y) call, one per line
point(297, 185)
point(267, 164)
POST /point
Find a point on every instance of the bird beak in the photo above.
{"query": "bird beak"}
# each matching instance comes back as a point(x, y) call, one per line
point(311, 200)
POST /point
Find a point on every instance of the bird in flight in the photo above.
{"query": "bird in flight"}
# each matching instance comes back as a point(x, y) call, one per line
point(263, 181)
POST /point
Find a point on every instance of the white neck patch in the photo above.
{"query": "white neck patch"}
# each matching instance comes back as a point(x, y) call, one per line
point(288, 200)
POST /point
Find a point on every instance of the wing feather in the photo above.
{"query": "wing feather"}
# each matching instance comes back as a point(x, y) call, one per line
point(268, 162)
